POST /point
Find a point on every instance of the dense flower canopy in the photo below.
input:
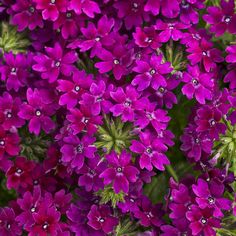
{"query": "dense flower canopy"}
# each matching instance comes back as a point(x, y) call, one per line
point(117, 117)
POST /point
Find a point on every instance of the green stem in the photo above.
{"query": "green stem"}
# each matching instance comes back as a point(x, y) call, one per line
point(172, 172)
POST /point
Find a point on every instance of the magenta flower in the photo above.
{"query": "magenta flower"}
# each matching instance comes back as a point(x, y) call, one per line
point(195, 143)
point(97, 99)
point(95, 38)
point(15, 70)
point(69, 24)
point(150, 115)
point(29, 204)
point(9, 108)
point(151, 73)
point(8, 225)
point(46, 222)
point(101, 218)
point(90, 174)
point(78, 221)
point(181, 201)
point(203, 52)
point(38, 111)
point(25, 15)
point(211, 195)
point(90, 8)
point(169, 8)
point(74, 151)
point(170, 30)
point(209, 120)
point(9, 143)
point(164, 94)
point(202, 221)
point(74, 88)
point(231, 58)
point(55, 62)
point(198, 84)
point(19, 175)
point(83, 120)
point(51, 8)
point(132, 12)
point(120, 171)
point(189, 11)
point(146, 37)
point(151, 151)
point(127, 102)
point(116, 61)
point(148, 214)
point(221, 18)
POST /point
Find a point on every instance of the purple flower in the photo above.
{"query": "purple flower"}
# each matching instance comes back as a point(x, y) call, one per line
point(151, 150)
point(51, 8)
point(208, 119)
point(29, 204)
point(9, 143)
point(169, 8)
point(188, 11)
point(194, 35)
point(25, 15)
point(86, 6)
point(127, 102)
point(221, 18)
point(195, 143)
point(46, 222)
point(97, 99)
point(74, 151)
point(90, 172)
point(170, 30)
point(203, 52)
point(181, 201)
point(9, 108)
point(55, 62)
point(15, 70)
point(198, 84)
point(169, 230)
point(132, 12)
point(118, 60)
point(74, 88)
point(150, 115)
point(202, 221)
point(78, 222)
point(101, 218)
point(151, 73)
point(146, 37)
point(38, 111)
point(231, 58)
point(19, 175)
point(8, 225)
point(164, 94)
point(120, 172)
point(148, 214)
point(210, 194)
point(132, 200)
point(83, 120)
point(69, 24)
point(231, 50)
point(96, 38)
point(232, 116)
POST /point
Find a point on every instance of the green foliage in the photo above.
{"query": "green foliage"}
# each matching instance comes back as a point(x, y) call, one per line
point(114, 135)
point(108, 195)
point(126, 228)
point(34, 147)
point(11, 40)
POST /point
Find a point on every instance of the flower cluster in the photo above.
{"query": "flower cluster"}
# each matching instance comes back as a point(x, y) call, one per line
point(117, 117)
